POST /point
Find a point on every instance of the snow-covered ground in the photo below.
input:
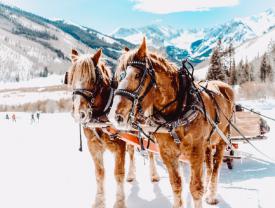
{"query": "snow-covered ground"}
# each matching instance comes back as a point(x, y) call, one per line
point(36, 82)
point(41, 167)
point(19, 98)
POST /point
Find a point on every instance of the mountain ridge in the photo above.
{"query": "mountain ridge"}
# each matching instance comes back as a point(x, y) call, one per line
point(31, 44)
point(198, 43)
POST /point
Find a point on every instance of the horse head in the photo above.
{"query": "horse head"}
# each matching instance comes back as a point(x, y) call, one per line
point(140, 76)
point(89, 80)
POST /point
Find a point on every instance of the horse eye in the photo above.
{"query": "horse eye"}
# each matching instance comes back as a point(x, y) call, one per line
point(122, 75)
point(137, 76)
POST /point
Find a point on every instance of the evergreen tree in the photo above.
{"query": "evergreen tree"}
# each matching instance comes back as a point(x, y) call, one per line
point(252, 73)
point(238, 72)
point(266, 73)
point(215, 71)
point(269, 73)
point(233, 79)
point(246, 72)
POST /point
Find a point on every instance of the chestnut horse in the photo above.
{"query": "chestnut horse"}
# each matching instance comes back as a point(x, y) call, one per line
point(90, 81)
point(150, 87)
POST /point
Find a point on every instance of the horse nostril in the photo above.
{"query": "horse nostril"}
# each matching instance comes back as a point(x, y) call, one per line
point(82, 115)
point(119, 118)
point(90, 114)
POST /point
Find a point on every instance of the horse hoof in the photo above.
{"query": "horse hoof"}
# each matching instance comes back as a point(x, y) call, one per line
point(99, 201)
point(155, 179)
point(130, 179)
point(120, 204)
point(212, 201)
point(99, 205)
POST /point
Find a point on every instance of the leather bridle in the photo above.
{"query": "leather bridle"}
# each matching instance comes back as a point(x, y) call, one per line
point(183, 113)
point(90, 95)
point(135, 97)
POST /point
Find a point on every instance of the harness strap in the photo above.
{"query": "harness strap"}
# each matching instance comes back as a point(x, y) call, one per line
point(241, 134)
point(175, 136)
point(80, 139)
point(109, 102)
point(214, 125)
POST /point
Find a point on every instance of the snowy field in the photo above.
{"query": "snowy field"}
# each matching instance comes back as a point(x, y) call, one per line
point(42, 168)
point(36, 82)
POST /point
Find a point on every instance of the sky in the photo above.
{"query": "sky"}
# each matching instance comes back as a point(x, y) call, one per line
point(108, 15)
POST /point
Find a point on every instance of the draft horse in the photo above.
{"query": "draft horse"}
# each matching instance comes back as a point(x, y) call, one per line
point(90, 80)
point(154, 89)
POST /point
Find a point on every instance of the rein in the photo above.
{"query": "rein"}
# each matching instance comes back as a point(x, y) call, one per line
point(137, 99)
point(90, 96)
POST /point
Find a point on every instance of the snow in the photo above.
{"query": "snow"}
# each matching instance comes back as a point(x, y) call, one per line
point(262, 22)
point(19, 97)
point(41, 167)
point(69, 22)
point(186, 38)
point(255, 47)
point(17, 93)
point(134, 38)
point(198, 42)
point(106, 38)
point(36, 82)
point(200, 74)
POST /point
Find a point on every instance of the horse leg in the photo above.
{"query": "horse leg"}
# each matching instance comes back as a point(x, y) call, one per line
point(132, 167)
point(218, 159)
point(170, 156)
point(196, 182)
point(209, 165)
point(153, 168)
point(96, 151)
point(120, 175)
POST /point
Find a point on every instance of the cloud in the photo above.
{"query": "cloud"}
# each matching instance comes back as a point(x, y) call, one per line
point(171, 6)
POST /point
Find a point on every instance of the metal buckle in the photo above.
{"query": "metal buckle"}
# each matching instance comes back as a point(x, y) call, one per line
point(174, 134)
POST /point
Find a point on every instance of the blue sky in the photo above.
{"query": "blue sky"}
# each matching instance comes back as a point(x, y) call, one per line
point(107, 15)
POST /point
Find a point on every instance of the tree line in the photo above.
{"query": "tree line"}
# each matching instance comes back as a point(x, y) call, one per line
point(223, 67)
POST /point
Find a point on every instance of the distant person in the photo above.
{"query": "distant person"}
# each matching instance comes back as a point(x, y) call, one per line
point(37, 116)
point(32, 118)
point(13, 117)
point(7, 116)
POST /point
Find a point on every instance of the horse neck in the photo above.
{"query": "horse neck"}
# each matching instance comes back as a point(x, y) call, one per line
point(166, 92)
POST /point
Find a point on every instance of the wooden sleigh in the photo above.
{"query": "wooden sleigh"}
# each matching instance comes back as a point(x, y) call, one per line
point(251, 125)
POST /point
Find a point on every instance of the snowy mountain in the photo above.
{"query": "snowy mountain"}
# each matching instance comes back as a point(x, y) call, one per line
point(32, 46)
point(197, 44)
point(255, 47)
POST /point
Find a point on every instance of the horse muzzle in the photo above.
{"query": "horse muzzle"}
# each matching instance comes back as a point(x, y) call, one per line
point(82, 117)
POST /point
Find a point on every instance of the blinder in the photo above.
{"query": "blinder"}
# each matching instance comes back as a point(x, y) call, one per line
point(135, 96)
point(90, 95)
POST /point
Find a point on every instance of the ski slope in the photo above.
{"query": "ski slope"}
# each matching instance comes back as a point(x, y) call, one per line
point(42, 168)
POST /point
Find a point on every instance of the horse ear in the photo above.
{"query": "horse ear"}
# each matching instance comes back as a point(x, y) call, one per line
point(97, 56)
point(126, 49)
point(74, 55)
point(142, 49)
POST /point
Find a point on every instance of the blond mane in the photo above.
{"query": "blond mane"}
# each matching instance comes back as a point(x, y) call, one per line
point(84, 67)
point(160, 64)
